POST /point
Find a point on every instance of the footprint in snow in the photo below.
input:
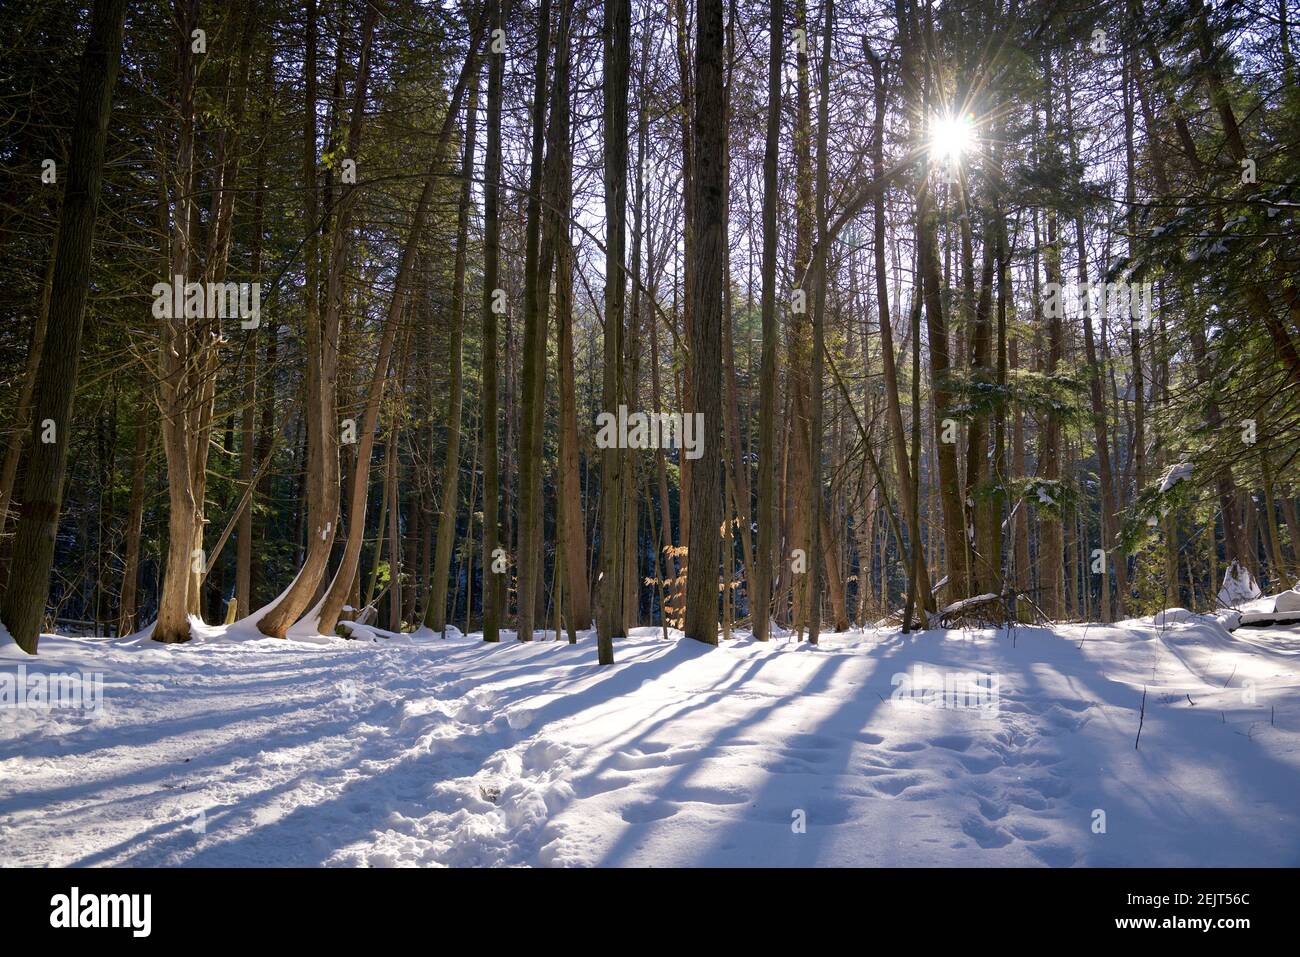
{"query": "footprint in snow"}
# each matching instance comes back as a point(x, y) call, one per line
point(646, 812)
point(984, 834)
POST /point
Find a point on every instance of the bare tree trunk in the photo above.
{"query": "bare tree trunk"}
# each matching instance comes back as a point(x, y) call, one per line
point(492, 578)
point(127, 618)
point(570, 521)
point(392, 465)
point(322, 334)
point(616, 33)
point(248, 424)
point(536, 303)
point(1051, 557)
point(435, 615)
point(819, 267)
point(56, 379)
point(760, 598)
point(799, 546)
point(918, 579)
point(706, 332)
point(690, 257)
point(329, 607)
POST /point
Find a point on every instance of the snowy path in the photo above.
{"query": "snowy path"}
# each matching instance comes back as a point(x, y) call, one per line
point(259, 752)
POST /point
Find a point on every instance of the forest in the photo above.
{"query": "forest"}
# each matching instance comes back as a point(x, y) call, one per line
point(527, 318)
point(609, 433)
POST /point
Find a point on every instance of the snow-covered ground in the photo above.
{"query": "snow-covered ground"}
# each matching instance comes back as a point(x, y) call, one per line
point(240, 750)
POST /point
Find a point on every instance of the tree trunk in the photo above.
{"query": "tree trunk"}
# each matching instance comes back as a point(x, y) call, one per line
point(436, 611)
point(536, 303)
point(56, 379)
point(322, 336)
point(328, 608)
point(572, 534)
point(706, 333)
point(127, 618)
point(492, 577)
point(820, 266)
point(612, 619)
point(760, 598)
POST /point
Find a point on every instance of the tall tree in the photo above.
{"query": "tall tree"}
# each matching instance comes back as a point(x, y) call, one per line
point(616, 33)
point(536, 305)
point(436, 613)
point(570, 530)
point(705, 396)
point(760, 598)
point(28, 586)
point(492, 295)
point(322, 334)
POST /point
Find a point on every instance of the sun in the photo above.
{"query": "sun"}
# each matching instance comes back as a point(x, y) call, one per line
point(951, 137)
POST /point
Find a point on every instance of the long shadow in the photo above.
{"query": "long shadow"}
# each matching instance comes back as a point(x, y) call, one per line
point(819, 681)
point(653, 722)
point(363, 806)
point(824, 812)
point(310, 729)
point(1205, 828)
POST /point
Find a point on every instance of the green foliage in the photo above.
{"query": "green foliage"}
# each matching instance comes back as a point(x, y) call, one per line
point(1142, 520)
point(1052, 497)
point(1036, 393)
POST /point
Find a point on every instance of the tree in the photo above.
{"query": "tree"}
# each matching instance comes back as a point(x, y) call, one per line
point(436, 614)
point(56, 377)
point(760, 599)
point(705, 398)
point(616, 32)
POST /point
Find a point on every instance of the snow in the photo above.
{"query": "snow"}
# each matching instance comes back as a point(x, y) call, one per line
point(1172, 616)
point(1239, 587)
point(963, 604)
point(237, 749)
point(1177, 473)
point(1287, 601)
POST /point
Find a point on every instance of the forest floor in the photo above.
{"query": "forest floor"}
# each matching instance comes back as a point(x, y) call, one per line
point(415, 750)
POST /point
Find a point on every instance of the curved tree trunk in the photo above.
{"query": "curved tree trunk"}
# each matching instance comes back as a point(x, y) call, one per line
point(322, 334)
point(327, 611)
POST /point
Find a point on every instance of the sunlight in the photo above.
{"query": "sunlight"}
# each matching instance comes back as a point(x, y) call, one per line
point(951, 137)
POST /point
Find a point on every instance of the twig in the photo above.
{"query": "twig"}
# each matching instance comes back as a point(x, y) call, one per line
point(1141, 718)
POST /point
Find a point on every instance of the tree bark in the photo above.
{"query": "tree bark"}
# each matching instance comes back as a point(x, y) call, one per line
point(706, 333)
point(436, 612)
point(760, 598)
point(492, 578)
point(536, 303)
point(55, 385)
point(322, 335)
point(327, 611)
point(612, 619)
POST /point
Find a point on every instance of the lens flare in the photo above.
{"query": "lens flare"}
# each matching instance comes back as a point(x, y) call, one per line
point(951, 137)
